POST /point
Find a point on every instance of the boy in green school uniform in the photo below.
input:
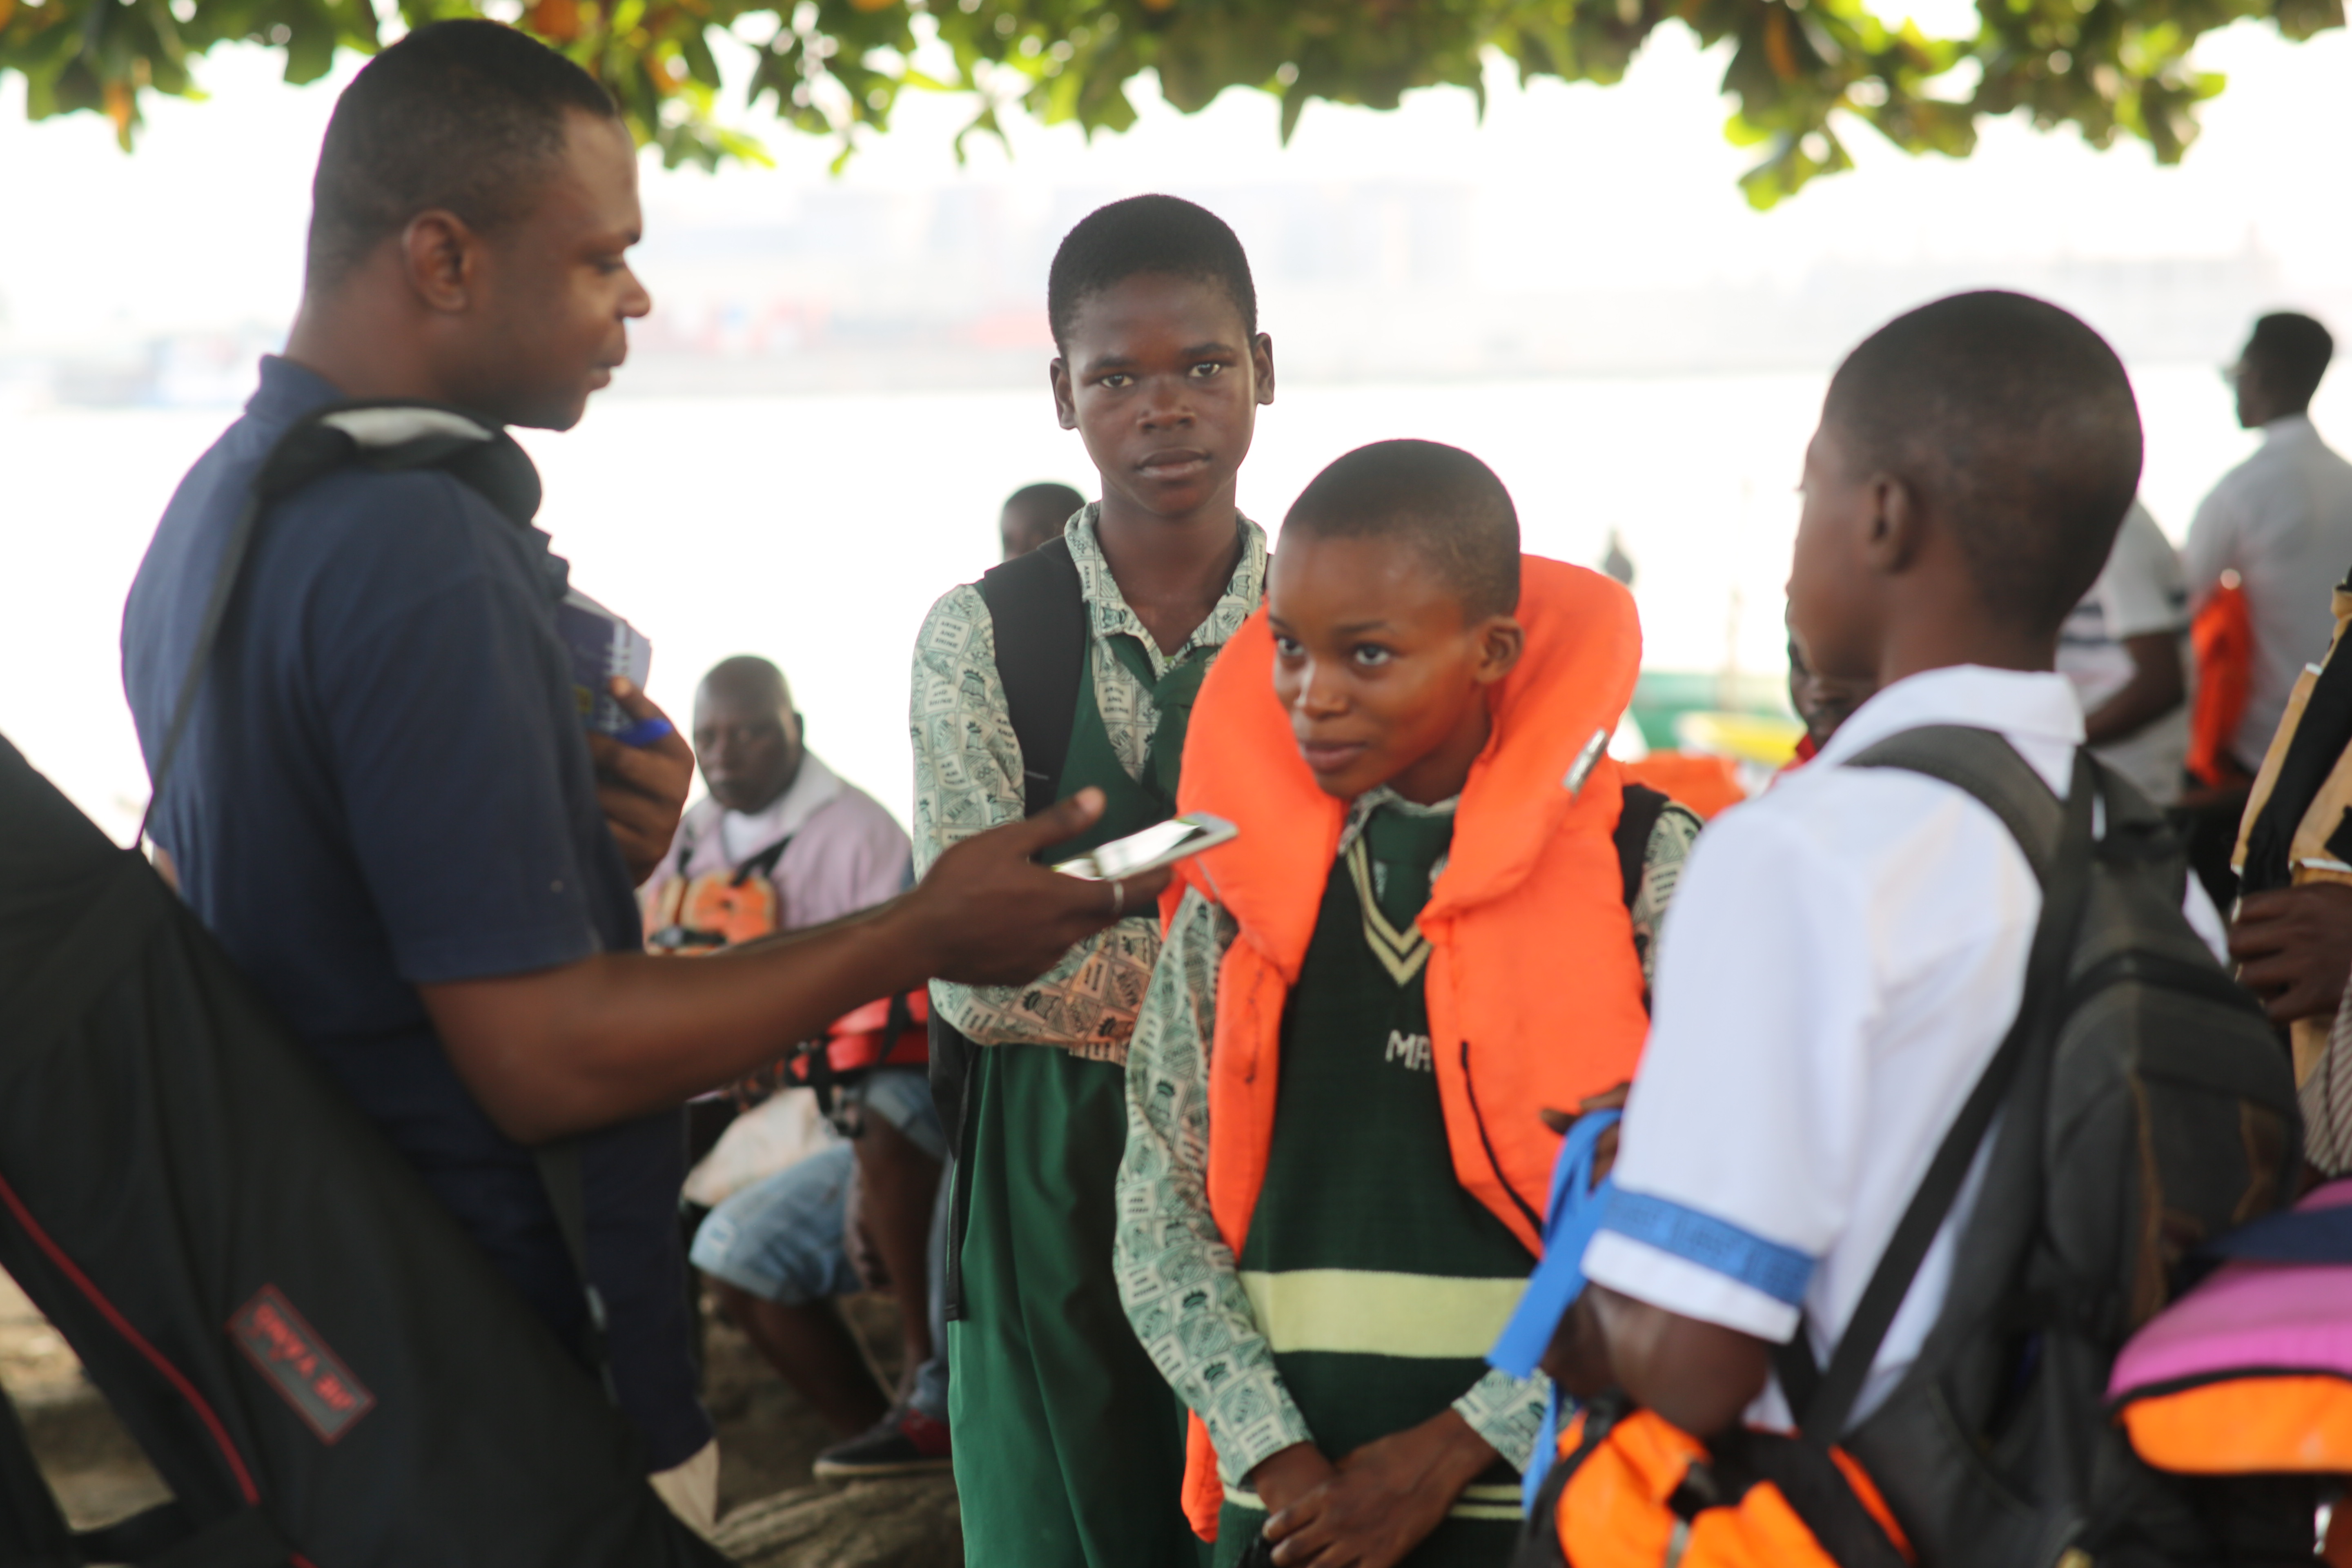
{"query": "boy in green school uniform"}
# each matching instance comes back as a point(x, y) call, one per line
point(1069, 1446)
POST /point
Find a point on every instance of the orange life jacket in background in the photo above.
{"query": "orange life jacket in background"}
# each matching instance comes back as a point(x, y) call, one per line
point(703, 914)
point(892, 1032)
point(1533, 985)
point(1630, 1490)
point(2222, 637)
point(1705, 785)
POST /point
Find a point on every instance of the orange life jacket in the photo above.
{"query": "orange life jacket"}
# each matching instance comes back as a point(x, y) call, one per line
point(1630, 1490)
point(703, 914)
point(1533, 985)
point(2222, 637)
point(1707, 785)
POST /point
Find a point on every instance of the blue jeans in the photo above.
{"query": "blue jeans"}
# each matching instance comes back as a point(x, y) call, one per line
point(785, 1239)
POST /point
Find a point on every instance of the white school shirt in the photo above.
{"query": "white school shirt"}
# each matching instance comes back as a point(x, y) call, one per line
point(2282, 520)
point(2140, 590)
point(1845, 955)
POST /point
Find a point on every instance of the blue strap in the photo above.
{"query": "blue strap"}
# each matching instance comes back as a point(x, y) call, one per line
point(1571, 1219)
point(2301, 1235)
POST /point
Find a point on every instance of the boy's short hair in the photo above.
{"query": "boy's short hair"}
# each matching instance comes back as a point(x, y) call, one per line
point(2017, 422)
point(1445, 502)
point(1046, 497)
point(2295, 349)
point(463, 115)
point(1166, 235)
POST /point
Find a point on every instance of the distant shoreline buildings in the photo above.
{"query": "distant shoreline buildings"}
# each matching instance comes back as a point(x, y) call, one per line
point(939, 289)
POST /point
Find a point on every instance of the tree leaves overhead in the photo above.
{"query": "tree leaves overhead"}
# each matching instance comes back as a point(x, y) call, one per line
point(1803, 73)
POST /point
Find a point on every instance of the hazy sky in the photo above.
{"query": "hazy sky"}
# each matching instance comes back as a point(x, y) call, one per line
point(203, 224)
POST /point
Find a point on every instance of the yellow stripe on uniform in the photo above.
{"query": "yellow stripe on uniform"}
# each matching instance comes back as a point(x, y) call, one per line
point(1362, 1311)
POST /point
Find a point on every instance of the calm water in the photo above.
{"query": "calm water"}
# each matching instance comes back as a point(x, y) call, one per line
point(816, 531)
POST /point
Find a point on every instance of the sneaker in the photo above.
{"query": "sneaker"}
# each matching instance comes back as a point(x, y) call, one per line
point(903, 1443)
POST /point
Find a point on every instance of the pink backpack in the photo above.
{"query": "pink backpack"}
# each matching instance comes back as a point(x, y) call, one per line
point(2251, 1373)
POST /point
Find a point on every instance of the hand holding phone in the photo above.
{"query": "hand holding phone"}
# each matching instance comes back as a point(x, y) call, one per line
point(1162, 844)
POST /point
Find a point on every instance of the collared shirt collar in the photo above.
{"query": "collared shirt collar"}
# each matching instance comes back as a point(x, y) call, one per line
point(1360, 809)
point(2289, 428)
point(811, 788)
point(2041, 704)
point(1110, 614)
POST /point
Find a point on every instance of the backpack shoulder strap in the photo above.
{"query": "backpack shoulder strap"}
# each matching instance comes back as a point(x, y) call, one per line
point(1987, 768)
point(1039, 608)
point(2057, 841)
point(1635, 822)
point(388, 434)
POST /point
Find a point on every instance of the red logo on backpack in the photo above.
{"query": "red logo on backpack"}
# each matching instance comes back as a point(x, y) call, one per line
point(307, 1375)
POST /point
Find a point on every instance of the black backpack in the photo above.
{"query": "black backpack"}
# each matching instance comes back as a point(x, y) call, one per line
point(2140, 1106)
point(322, 1366)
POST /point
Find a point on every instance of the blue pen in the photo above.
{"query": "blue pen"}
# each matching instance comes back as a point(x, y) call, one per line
point(645, 731)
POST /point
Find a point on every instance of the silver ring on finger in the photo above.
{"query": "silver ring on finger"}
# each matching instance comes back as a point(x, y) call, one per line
point(1118, 900)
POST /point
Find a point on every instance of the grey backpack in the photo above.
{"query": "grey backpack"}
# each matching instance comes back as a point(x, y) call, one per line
point(2140, 1106)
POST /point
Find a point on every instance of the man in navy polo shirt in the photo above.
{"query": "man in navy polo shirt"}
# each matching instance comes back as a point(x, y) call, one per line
point(387, 808)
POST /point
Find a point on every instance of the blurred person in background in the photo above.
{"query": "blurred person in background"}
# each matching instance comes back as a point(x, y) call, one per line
point(2282, 520)
point(779, 843)
point(1033, 514)
point(2125, 648)
point(2267, 544)
point(1823, 702)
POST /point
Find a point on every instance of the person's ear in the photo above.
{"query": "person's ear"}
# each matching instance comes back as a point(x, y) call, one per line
point(1898, 524)
point(1066, 398)
point(1262, 366)
point(442, 255)
point(800, 728)
point(1501, 640)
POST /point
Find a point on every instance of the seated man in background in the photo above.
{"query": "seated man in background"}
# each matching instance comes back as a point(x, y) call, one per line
point(782, 1250)
point(1033, 514)
point(2125, 648)
point(779, 843)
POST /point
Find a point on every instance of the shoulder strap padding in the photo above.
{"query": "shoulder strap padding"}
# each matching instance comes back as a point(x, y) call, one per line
point(1635, 822)
point(1039, 606)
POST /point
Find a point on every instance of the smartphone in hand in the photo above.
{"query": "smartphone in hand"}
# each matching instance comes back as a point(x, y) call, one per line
point(1162, 844)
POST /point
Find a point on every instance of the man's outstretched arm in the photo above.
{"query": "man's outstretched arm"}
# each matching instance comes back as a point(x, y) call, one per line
point(619, 1035)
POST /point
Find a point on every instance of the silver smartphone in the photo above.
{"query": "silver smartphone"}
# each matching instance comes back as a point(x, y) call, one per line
point(1162, 844)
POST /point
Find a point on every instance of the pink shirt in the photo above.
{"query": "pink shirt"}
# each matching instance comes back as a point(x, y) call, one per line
point(844, 853)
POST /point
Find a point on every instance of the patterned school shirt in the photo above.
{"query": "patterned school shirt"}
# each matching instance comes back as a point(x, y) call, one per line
point(968, 770)
point(1181, 1283)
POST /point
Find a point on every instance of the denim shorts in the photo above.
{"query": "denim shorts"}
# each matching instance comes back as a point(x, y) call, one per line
point(781, 1239)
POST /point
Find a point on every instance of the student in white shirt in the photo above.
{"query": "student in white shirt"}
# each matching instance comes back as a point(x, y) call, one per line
point(2125, 648)
point(1847, 951)
point(2282, 520)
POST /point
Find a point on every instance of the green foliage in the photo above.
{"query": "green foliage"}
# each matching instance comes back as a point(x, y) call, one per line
point(1801, 71)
